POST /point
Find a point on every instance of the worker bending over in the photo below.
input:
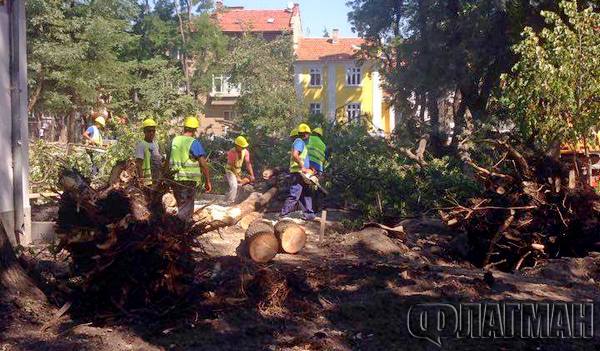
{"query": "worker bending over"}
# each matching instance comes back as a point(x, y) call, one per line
point(236, 157)
point(188, 162)
point(300, 192)
point(147, 155)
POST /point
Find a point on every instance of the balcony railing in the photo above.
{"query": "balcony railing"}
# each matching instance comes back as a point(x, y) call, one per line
point(221, 87)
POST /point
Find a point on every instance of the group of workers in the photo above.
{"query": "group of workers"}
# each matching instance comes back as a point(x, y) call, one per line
point(189, 166)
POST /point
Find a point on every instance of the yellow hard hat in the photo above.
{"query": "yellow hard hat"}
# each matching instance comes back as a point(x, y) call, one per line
point(191, 122)
point(241, 141)
point(294, 132)
point(149, 122)
point(318, 131)
point(303, 128)
point(101, 121)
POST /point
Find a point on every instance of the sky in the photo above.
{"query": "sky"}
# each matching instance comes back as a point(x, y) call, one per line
point(315, 14)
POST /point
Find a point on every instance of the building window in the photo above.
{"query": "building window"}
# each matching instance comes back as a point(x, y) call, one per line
point(353, 76)
point(222, 87)
point(353, 112)
point(218, 84)
point(315, 108)
point(315, 77)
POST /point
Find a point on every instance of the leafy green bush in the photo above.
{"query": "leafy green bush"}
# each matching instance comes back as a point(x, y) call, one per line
point(368, 174)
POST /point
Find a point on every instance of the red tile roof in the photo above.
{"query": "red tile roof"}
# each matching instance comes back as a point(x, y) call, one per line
point(240, 20)
point(316, 49)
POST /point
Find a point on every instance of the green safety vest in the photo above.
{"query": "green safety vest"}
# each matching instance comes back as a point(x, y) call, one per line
point(294, 167)
point(97, 137)
point(239, 161)
point(180, 161)
point(316, 150)
point(147, 163)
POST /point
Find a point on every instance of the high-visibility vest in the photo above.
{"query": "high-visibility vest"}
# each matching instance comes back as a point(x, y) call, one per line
point(96, 136)
point(147, 163)
point(316, 151)
point(294, 167)
point(239, 161)
point(186, 169)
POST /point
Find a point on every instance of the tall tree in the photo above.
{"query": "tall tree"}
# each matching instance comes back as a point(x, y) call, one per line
point(265, 70)
point(432, 48)
point(75, 55)
point(553, 91)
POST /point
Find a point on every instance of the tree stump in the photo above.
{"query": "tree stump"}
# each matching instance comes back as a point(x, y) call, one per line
point(291, 236)
point(261, 243)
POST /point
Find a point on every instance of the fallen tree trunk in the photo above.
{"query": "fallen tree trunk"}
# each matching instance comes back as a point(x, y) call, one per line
point(214, 217)
point(13, 278)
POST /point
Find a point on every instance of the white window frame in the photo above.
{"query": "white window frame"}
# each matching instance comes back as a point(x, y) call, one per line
point(217, 78)
point(227, 88)
point(317, 72)
point(315, 108)
point(353, 112)
point(353, 76)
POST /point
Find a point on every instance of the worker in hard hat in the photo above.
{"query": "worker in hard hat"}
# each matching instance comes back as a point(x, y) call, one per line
point(93, 134)
point(317, 154)
point(147, 155)
point(317, 150)
point(300, 192)
point(187, 161)
point(236, 157)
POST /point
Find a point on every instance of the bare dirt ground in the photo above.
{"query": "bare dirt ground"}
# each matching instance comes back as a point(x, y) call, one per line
point(351, 292)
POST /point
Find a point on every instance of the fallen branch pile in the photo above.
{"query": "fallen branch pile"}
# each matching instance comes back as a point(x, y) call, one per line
point(125, 250)
point(527, 212)
point(128, 248)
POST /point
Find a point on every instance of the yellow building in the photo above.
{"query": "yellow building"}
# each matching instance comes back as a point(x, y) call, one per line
point(330, 81)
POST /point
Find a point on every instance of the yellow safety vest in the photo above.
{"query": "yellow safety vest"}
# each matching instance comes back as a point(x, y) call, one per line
point(96, 136)
point(181, 162)
point(239, 161)
point(294, 167)
point(316, 151)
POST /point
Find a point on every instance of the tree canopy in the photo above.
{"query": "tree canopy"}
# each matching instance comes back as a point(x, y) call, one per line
point(430, 49)
point(553, 90)
point(124, 56)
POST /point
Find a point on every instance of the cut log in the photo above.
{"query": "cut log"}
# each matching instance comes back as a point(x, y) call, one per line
point(259, 226)
point(291, 236)
point(169, 203)
point(262, 247)
point(261, 243)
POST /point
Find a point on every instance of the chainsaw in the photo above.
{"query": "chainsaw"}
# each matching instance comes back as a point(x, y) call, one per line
point(312, 180)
